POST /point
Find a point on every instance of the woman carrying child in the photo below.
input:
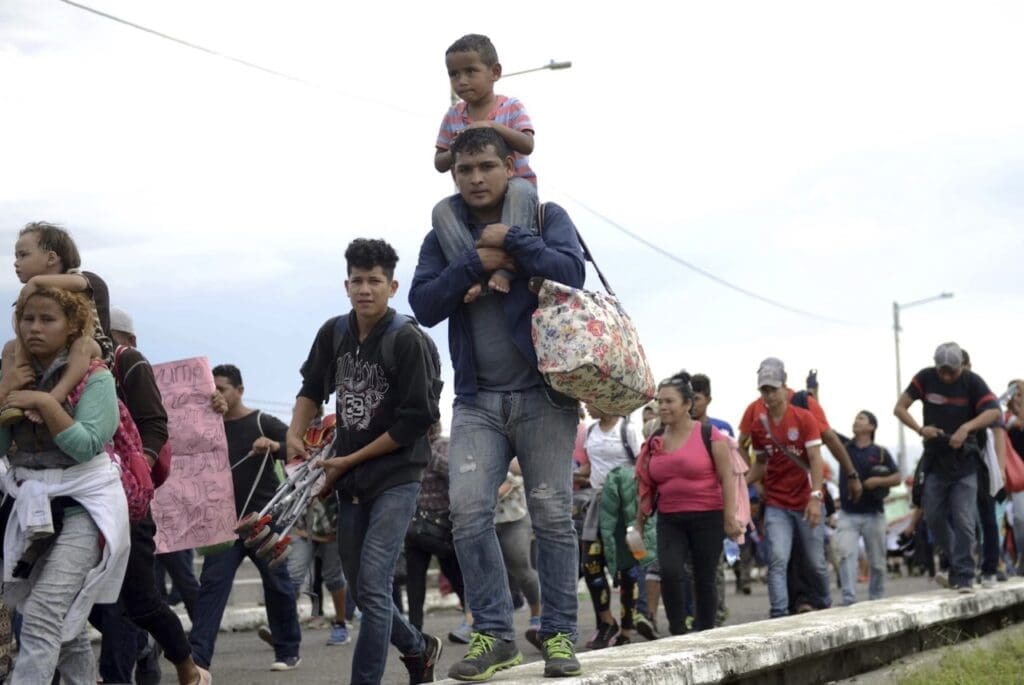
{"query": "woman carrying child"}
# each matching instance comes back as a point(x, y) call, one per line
point(66, 544)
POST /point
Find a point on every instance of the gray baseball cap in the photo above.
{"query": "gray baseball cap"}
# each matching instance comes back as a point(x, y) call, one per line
point(771, 372)
point(950, 355)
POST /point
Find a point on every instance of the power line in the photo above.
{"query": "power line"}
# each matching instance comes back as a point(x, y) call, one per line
point(238, 60)
point(707, 274)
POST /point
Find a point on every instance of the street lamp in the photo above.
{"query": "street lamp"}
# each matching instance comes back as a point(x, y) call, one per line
point(551, 66)
point(896, 307)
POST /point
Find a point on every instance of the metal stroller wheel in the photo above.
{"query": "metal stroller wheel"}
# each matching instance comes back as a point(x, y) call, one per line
point(267, 547)
point(247, 522)
point(257, 537)
point(280, 557)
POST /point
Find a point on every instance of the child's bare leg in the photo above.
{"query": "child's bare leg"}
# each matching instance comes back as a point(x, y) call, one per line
point(13, 352)
point(472, 293)
point(82, 352)
point(501, 280)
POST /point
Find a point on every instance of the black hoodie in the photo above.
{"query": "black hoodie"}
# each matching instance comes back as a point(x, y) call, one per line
point(372, 401)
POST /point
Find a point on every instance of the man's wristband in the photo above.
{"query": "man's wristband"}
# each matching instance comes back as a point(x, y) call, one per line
point(816, 494)
point(853, 476)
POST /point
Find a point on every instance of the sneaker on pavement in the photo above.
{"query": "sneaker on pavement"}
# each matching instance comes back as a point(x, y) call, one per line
point(204, 676)
point(942, 579)
point(644, 626)
point(533, 633)
point(486, 656)
point(965, 588)
point(264, 634)
point(147, 668)
point(604, 636)
point(1001, 576)
point(339, 635)
point(421, 666)
point(560, 657)
point(461, 634)
point(988, 582)
point(286, 664)
point(622, 639)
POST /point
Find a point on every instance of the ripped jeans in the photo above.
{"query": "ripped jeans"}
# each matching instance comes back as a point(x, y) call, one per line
point(488, 430)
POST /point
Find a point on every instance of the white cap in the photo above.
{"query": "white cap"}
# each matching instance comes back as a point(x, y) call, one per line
point(121, 321)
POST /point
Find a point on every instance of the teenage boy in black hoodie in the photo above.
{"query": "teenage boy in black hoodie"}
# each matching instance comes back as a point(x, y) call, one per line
point(380, 450)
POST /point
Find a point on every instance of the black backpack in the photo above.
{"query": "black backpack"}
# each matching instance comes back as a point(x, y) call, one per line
point(388, 352)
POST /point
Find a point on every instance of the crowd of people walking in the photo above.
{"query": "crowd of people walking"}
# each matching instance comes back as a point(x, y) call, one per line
point(517, 504)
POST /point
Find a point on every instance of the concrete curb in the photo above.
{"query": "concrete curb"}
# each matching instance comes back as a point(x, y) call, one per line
point(813, 647)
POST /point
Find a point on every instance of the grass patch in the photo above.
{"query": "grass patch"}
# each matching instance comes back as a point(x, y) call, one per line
point(975, 666)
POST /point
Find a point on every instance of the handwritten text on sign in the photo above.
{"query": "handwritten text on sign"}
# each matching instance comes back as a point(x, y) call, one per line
point(195, 506)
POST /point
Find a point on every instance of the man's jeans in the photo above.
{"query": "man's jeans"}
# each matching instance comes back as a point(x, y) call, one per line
point(780, 526)
point(214, 588)
point(949, 509)
point(371, 535)
point(852, 527)
point(989, 525)
point(488, 430)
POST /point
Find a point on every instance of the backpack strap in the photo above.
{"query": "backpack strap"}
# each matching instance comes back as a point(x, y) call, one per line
point(387, 343)
point(705, 434)
point(800, 399)
point(340, 331)
point(624, 436)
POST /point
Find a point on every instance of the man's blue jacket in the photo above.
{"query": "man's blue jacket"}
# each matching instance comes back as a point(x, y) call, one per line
point(439, 287)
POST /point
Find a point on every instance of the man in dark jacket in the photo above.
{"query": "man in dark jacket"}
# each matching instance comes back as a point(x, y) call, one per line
point(140, 601)
point(502, 407)
point(385, 405)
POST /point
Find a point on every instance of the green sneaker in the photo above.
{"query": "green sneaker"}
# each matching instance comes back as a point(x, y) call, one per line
point(486, 656)
point(560, 657)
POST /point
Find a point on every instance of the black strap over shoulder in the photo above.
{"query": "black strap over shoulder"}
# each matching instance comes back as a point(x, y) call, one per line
point(705, 433)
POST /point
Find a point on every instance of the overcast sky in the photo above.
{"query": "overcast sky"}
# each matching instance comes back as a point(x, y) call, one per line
point(833, 159)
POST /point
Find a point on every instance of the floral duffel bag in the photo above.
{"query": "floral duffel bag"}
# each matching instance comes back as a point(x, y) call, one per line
point(588, 348)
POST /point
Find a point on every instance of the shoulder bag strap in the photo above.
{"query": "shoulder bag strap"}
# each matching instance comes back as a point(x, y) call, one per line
point(586, 250)
point(792, 457)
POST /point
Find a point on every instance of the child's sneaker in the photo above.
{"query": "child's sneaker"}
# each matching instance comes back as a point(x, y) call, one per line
point(560, 657)
point(486, 656)
point(421, 666)
point(604, 636)
point(645, 627)
point(10, 415)
point(339, 635)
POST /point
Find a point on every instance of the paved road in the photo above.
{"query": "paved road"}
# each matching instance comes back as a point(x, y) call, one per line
point(243, 659)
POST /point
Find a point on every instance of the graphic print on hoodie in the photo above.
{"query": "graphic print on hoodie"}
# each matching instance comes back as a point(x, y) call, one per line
point(361, 387)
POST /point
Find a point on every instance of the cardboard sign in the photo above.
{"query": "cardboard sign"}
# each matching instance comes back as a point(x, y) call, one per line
point(195, 506)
